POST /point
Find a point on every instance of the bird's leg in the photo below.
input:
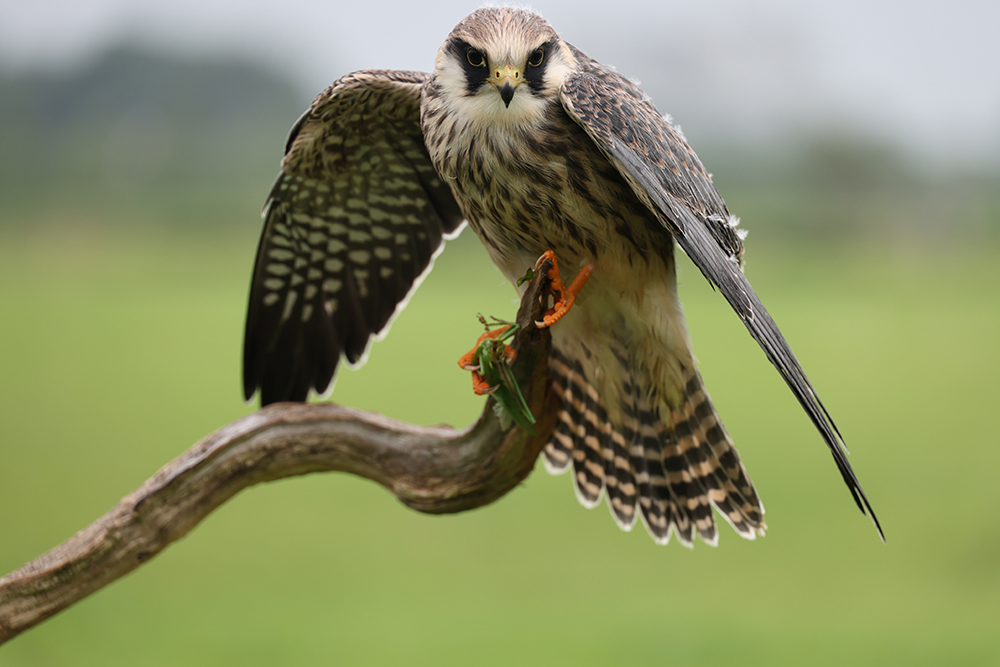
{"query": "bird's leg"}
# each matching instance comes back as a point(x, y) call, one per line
point(567, 295)
point(469, 361)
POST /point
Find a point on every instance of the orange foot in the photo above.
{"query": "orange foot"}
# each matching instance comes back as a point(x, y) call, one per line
point(567, 295)
point(480, 385)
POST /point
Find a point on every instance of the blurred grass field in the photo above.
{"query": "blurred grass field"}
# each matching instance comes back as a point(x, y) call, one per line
point(120, 350)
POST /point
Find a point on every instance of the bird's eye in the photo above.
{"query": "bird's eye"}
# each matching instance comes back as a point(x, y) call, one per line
point(476, 58)
point(535, 59)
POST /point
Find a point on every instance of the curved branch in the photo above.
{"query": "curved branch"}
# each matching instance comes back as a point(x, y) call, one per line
point(431, 469)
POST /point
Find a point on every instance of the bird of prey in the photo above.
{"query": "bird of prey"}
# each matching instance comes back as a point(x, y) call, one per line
point(539, 148)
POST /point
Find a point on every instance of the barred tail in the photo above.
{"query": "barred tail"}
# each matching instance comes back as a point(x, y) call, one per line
point(667, 464)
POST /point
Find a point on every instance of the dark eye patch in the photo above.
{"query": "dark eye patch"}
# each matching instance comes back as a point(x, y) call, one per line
point(538, 60)
point(475, 74)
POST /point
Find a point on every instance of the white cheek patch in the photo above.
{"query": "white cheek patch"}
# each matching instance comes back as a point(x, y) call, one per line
point(450, 77)
point(558, 69)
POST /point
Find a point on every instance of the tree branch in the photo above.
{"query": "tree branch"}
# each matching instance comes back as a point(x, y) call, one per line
point(431, 469)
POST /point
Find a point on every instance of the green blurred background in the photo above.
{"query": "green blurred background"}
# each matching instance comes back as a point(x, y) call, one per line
point(129, 200)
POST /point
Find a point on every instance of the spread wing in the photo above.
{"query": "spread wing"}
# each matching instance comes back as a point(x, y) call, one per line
point(351, 225)
point(668, 177)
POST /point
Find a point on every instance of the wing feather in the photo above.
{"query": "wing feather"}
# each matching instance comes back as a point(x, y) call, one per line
point(351, 225)
point(667, 176)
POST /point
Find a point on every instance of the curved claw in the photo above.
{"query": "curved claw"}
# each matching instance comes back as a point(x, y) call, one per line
point(567, 295)
point(480, 386)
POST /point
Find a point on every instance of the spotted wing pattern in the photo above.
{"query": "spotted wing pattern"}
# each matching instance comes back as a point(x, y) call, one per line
point(352, 223)
point(663, 171)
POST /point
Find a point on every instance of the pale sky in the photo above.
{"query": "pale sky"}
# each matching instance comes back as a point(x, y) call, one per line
point(924, 75)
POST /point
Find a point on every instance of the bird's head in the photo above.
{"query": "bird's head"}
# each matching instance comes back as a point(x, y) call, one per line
point(502, 64)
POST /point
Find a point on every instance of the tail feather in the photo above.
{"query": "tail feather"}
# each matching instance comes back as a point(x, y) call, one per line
point(590, 444)
point(715, 461)
point(665, 510)
point(558, 452)
point(620, 479)
point(685, 485)
point(671, 463)
point(580, 436)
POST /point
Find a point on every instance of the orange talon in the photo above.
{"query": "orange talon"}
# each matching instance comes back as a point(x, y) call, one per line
point(467, 361)
point(480, 387)
point(509, 354)
point(567, 295)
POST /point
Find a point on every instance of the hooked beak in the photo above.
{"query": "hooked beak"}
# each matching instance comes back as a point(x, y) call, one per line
point(506, 93)
point(505, 79)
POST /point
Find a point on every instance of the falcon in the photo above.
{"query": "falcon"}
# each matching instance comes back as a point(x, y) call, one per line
point(540, 149)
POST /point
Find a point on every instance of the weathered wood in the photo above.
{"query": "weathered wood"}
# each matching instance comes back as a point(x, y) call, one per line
point(431, 469)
